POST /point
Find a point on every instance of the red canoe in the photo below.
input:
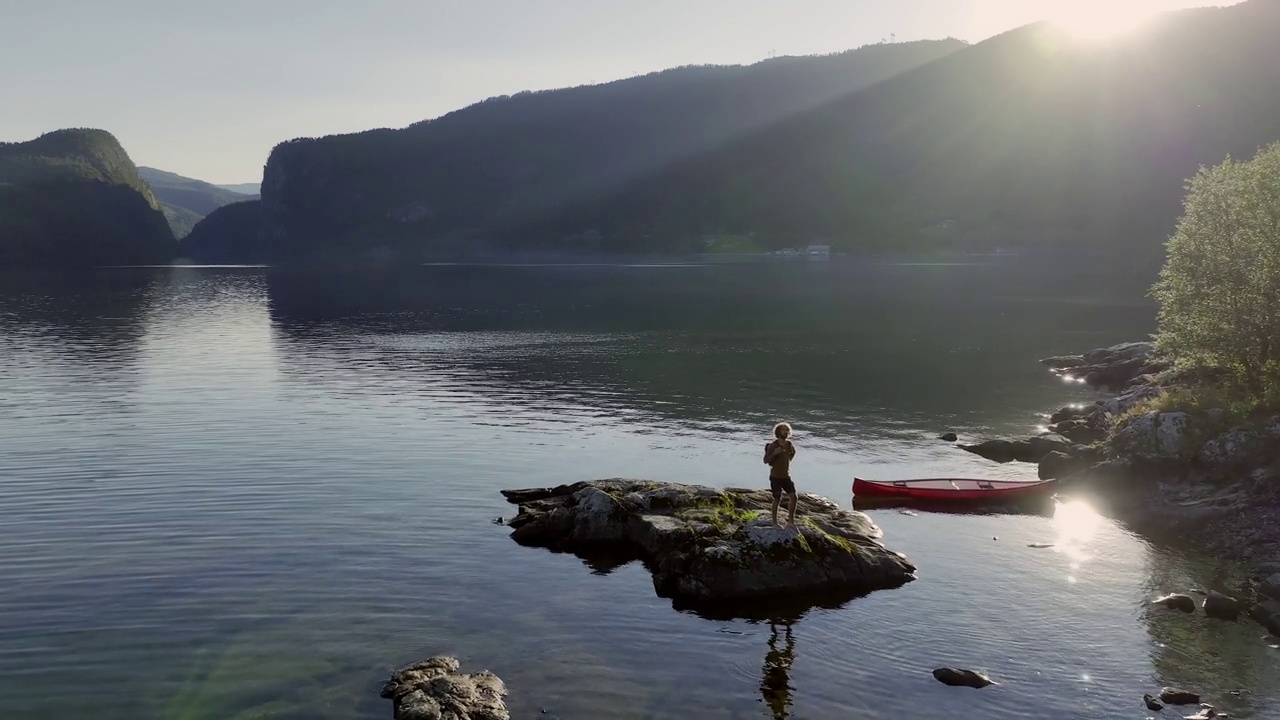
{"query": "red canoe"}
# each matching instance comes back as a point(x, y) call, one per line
point(954, 490)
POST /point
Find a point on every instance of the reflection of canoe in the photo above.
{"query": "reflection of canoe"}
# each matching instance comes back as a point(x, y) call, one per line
point(946, 490)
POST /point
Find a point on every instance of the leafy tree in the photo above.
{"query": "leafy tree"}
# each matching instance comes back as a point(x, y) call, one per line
point(1219, 291)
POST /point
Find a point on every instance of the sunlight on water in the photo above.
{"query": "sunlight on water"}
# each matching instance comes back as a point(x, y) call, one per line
point(248, 494)
point(1076, 523)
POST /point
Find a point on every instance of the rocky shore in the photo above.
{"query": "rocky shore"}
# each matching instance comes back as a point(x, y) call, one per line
point(710, 547)
point(1202, 477)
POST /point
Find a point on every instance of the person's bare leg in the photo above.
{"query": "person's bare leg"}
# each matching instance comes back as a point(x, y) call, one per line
point(791, 515)
point(777, 499)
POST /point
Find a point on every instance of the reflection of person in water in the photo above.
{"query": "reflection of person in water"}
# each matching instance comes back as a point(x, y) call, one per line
point(775, 682)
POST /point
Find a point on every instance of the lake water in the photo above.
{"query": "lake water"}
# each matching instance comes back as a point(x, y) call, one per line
point(241, 493)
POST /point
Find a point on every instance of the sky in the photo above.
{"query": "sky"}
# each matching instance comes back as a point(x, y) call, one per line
point(206, 88)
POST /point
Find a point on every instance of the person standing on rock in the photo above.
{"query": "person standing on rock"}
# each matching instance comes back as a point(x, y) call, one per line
point(778, 455)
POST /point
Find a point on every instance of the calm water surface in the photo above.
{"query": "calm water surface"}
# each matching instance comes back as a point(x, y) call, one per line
point(241, 493)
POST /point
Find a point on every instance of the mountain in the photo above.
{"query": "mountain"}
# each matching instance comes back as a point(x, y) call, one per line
point(181, 220)
point(244, 188)
point(74, 198)
point(1033, 138)
point(229, 235)
point(185, 200)
point(509, 158)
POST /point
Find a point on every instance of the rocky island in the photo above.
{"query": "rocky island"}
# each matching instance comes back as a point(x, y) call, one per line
point(707, 546)
point(436, 689)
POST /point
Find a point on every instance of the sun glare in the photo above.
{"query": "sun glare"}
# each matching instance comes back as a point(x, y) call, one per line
point(1096, 19)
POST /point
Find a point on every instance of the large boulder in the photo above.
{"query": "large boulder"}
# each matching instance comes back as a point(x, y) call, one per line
point(1154, 436)
point(1081, 431)
point(1126, 401)
point(1113, 367)
point(1030, 450)
point(1001, 451)
point(1253, 446)
point(1222, 607)
point(1122, 353)
point(435, 690)
point(1229, 448)
point(1270, 587)
point(1058, 464)
point(708, 546)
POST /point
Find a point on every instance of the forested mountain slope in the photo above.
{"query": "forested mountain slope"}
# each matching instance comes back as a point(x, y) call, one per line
point(73, 198)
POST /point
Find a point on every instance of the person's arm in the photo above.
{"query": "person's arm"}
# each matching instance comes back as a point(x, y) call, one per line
point(769, 451)
point(791, 450)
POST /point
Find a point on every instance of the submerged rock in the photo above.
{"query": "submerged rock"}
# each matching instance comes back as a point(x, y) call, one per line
point(1267, 613)
point(949, 437)
point(1185, 603)
point(1152, 703)
point(961, 678)
point(1174, 696)
point(1222, 607)
point(707, 545)
point(435, 690)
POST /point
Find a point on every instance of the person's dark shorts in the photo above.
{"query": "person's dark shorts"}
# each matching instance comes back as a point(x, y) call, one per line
point(781, 485)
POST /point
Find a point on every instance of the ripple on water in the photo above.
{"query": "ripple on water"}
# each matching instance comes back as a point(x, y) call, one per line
point(214, 493)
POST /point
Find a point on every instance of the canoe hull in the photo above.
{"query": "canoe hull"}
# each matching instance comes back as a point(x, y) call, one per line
point(953, 490)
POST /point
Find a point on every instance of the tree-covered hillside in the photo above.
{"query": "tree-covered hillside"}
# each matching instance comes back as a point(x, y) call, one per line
point(186, 201)
point(73, 197)
point(229, 235)
point(1033, 138)
point(510, 157)
point(197, 196)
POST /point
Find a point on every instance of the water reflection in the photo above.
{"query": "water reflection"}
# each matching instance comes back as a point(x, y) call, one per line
point(775, 678)
point(322, 476)
point(703, 346)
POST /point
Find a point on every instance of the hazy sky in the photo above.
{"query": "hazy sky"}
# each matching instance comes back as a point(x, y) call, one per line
point(205, 88)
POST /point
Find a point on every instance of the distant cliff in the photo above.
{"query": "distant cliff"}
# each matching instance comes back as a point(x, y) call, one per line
point(445, 183)
point(74, 198)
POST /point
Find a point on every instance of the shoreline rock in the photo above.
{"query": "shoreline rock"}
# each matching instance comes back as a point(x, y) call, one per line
point(1168, 473)
point(435, 689)
point(707, 546)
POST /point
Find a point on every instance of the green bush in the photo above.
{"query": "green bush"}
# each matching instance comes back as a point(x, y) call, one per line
point(1219, 291)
